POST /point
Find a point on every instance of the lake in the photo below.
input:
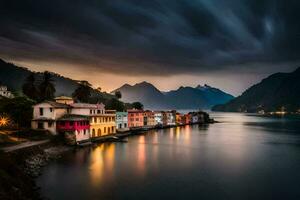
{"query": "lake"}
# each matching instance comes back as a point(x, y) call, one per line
point(243, 157)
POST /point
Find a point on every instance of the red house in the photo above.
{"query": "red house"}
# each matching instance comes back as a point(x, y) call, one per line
point(135, 118)
point(75, 128)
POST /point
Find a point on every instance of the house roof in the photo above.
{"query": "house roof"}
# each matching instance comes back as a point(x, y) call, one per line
point(87, 105)
point(73, 118)
point(55, 104)
point(63, 98)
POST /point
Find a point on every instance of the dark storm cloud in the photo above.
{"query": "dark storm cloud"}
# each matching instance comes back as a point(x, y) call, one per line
point(154, 37)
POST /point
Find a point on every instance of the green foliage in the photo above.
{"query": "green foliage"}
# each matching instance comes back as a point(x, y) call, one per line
point(29, 88)
point(118, 94)
point(138, 105)
point(115, 104)
point(83, 92)
point(19, 110)
point(47, 88)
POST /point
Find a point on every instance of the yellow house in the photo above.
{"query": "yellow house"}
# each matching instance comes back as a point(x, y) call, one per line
point(102, 124)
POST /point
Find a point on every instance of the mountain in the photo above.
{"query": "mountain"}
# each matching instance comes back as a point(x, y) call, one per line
point(278, 91)
point(14, 76)
point(203, 97)
point(142, 92)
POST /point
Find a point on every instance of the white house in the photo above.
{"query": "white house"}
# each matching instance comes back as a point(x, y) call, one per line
point(87, 109)
point(122, 121)
point(158, 117)
point(5, 93)
point(171, 118)
point(46, 114)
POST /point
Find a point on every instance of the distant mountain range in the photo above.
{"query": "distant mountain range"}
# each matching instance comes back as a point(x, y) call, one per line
point(14, 76)
point(200, 97)
point(276, 92)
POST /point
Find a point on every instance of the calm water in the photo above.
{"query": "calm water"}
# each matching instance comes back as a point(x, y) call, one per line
point(244, 157)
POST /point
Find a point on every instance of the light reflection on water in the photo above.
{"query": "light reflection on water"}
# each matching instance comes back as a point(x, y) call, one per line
point(243, 157)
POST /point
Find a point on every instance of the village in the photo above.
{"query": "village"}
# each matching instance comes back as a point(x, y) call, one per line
point(83, 123)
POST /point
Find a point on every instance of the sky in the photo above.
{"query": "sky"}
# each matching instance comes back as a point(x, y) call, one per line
point(229, 44)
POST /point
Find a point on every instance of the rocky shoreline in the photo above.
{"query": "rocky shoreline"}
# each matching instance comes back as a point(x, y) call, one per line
point(19, 169)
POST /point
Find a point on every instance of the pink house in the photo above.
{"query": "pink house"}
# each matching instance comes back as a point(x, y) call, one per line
point(75, 128)
point(135, 118)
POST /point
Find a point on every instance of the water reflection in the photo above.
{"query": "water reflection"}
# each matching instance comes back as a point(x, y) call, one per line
point(243, 157)
point(141, 159)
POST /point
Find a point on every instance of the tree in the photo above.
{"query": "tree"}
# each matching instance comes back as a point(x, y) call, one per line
point(115, 104)
point(118, 94)
point(83, 92)
point(46, 87)
point(99, 89)
point(29, 88)
point(138, 105)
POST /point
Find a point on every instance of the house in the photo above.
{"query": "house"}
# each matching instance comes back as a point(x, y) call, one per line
point(149, 119)
point(135, 118)
point(199, 117)
point(5, 93)
point(64, 100)
point(158, 118)
point(122, 121)
point(186, 119)
point(178, 118)
point(102, 122)
point(46, 114)
point(75, 128)
point(171, 118)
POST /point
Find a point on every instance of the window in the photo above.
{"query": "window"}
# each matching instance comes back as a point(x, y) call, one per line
point(125, 125)
point(40, 125)
point(104, 129)
point(93, 133)
point(91, 111)
point(62, 123)
point(51, 109)
point(50, 124)
point(41, 111)
point(84, 132)
point(71, 123)
point(99, 132)
point(120, 125)
point(98, 111)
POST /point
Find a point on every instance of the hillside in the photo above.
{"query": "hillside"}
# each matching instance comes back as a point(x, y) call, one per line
point(201, 97)
point(280, 90)
point(14, 76)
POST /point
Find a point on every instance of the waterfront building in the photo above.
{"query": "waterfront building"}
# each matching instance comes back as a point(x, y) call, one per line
point(149, 119)
point(75, 128)
point(64, 100)
point(158, 118)
point(135, 118)
point(186, 119)
point(122, 121)
point(5, 93)
point(102, 122)
point(199, 117)
point(46, 114)
point(178, 118)
point(87, 109)
point(171, 118)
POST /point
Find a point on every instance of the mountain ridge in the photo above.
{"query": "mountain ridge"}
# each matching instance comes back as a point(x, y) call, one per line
point(277, 91)
point(200, 97)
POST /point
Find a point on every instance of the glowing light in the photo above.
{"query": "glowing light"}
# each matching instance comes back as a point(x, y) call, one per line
point(4, 121)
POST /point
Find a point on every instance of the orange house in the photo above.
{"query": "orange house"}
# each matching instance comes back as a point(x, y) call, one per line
point(186, 119)
point(135, 118)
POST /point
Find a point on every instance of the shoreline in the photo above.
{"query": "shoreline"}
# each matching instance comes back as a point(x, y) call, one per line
point(30, 161)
